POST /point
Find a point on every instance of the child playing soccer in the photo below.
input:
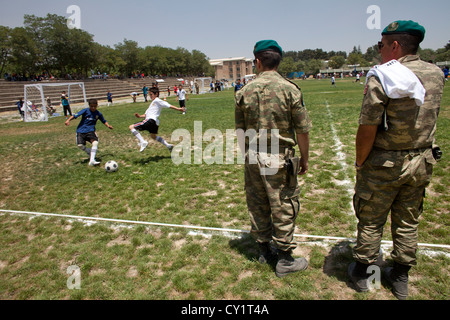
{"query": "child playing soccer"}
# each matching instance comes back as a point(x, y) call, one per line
point(151, 122)
point(86, 129)
point(181, 97)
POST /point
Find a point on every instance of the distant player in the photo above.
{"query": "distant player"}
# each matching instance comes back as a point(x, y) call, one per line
point(333, 81)
point(109, 97)
point(86, 129)
point(151, 122)
point(66, 105)
point(181, 97)
point(238, 85)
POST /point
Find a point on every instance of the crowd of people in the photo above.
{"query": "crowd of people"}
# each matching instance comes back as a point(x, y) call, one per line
point(27, 77)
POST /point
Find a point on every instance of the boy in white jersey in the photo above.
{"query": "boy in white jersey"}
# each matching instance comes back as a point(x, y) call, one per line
point(151, 122)
point(181, 97)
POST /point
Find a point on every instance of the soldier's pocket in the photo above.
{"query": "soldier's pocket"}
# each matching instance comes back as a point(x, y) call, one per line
point(360, 199)
point(428, 154)
point(430, 161)
point(383, 159)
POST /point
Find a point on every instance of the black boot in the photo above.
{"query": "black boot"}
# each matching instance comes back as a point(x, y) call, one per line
point(266, 255)
point(287, 264)
point(357, 272)
point(397, 277)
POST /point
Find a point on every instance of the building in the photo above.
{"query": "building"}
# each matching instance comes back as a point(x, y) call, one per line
point(232, 69)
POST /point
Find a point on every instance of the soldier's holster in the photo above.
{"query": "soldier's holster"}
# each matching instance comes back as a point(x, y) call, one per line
point(292, 167)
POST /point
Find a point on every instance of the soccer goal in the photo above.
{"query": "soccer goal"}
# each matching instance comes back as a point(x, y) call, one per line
point(41, 100)
point(204, 84)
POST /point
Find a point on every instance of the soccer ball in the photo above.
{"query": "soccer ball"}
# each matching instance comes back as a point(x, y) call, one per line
point(111, 166)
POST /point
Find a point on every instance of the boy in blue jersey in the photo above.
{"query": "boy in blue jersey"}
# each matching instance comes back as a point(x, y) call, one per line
point(86, 129)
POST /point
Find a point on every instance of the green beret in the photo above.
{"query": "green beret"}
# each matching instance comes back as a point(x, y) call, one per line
point(266, 45)
point(405, 27)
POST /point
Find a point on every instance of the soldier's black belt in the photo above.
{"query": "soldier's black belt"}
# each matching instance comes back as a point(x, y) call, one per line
point(411, 151)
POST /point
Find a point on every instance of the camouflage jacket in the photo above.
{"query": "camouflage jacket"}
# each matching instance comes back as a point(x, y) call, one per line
point(410, 126)
point(272, 102)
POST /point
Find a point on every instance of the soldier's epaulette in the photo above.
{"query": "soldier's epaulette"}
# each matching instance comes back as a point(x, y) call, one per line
point(293, 83)
point(300, 89)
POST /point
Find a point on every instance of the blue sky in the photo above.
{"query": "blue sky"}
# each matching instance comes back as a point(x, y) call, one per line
point(230, 28)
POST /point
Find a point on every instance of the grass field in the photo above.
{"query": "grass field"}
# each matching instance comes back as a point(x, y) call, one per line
point(44, 171)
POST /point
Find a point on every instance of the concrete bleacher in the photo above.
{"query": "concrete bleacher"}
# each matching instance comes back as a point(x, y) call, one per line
point(10, 92)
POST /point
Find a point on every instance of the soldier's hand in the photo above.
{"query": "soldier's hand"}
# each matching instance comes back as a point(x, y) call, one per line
point(303, 167)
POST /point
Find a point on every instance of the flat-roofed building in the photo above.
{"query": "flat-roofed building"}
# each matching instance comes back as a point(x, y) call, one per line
point(232, 69)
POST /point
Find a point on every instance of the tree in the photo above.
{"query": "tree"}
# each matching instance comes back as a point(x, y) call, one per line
point(5, 47)
point(372, 55)
point(47, 44)
point(356, 58)
point(200, 65)
point(443, 54)
point(336, 62)
point(427, 54)
point(24, 52)
point(300, 66)
point(287, 66)
point(66, 50)
point(314, 66)
point(129, 52)
point(356, 50)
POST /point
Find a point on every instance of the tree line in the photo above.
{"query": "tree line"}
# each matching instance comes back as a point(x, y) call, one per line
point(45, 45)
point(312, 61)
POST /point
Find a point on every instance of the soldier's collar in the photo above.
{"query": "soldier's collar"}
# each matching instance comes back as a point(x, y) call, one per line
point(408, 58)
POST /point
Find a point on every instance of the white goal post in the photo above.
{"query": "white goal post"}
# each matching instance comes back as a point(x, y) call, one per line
point(42, 99)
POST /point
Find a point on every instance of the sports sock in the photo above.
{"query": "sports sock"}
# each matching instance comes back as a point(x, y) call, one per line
point(162, 141)
point(94, 150)
point(137, 135)
point(83, 148)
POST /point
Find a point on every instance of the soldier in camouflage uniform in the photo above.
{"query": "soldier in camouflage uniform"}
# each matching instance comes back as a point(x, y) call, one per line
point(395, 161)
point(274, 105)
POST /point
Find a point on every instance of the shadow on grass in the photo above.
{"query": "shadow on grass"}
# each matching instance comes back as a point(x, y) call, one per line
point(340, 257)
point(245, 246)
point(248, 247)
point(145, 161)
point(337, 261)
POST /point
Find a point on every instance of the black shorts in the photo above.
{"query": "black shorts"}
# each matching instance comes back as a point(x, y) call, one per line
point(82, 138)
point(147, 125)
point(182, 103)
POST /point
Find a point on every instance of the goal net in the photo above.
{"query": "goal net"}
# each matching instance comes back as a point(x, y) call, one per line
point(43, 100)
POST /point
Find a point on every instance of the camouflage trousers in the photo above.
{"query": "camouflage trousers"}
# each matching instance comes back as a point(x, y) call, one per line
point(395, 182)
point(272, 204)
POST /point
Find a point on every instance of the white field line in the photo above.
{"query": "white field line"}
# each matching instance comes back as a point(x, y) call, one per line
point(337, 147)
point(222, 230)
